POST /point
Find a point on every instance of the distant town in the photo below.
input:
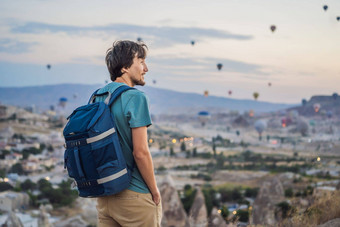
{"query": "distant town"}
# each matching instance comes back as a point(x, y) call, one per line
point(280, 168)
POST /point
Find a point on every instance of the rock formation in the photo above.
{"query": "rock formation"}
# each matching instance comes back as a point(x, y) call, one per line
point(75, 221)
point(198, 211)
point(331, 223)
point(216, 220)
point(270, 194)
point(12, 221)
point(43, 217)
point(173, 212)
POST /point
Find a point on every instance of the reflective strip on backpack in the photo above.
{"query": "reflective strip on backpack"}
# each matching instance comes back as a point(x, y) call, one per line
point(100, 136)
point(112, 177)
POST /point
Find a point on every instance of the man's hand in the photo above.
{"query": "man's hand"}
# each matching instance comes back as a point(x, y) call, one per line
point(156, 197)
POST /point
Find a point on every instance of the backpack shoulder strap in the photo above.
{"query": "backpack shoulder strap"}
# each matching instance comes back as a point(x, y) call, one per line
point(93, 96)
point(118, 92)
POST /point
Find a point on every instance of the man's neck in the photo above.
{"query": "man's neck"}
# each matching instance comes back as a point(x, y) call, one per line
point(125, 80)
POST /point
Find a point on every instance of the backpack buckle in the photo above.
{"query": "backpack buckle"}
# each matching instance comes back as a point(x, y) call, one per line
point(74, 184)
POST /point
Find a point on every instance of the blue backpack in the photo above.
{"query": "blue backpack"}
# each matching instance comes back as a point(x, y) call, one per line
point(93, 155)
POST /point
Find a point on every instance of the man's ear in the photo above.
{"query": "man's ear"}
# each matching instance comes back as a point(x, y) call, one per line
point(124, 70)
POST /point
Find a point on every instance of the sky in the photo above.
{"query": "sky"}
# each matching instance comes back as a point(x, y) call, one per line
point(301, 58)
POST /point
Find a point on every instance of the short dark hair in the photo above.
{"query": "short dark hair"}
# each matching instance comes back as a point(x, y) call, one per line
point(121, 55)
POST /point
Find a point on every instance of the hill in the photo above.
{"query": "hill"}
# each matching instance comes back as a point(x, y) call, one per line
point(161, 100)
point(327, 105)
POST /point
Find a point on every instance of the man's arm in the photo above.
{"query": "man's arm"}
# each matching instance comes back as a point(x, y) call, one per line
point(143, 160)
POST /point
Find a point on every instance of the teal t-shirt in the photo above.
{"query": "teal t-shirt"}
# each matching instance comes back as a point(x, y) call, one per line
point(130, 110)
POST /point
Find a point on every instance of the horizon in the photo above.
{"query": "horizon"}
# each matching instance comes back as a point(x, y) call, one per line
point(168, 89)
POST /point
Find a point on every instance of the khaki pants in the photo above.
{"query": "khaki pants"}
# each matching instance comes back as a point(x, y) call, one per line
point(130, 209)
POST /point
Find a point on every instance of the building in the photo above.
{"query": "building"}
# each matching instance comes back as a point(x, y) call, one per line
point(10, 201)
point(3, 111)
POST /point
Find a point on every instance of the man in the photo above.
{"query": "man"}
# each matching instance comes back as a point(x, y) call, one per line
point(140, 204)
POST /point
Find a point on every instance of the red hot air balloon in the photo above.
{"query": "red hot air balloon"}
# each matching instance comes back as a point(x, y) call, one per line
point(283, 122)
point(251, 113)
point(316, 107)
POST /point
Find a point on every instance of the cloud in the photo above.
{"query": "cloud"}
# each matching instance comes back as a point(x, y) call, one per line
point(205, 64)
point(15, 47)
point(158, 35)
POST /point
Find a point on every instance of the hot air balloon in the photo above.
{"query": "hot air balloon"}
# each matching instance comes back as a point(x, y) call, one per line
point(302, 127)
point(335, 96)
point(75, 95)
point(230, 92)
point(338, 18)
point(219, 66)
point(325, 7)
point(304, 102)
point(62, 102)
point(237, 132)
point(256, 95)
point(251, 113)
point(192, 42)
point(139, 39)
point(206, 93)
point(269, 84)
point(316, 107)
point(273, 28)
point(52, 108)
point(106, 81)
point(260, 126)
point(283, 122)
point(48, 66)
point(154, 81)
point(203, 116)
point(329, 114)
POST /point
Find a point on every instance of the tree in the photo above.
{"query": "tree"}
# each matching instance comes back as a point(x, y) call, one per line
point(214, 149)
point(189, 196)
point(17, 168)
point(236, 194)
point(289, 192)
point(224, 212)
point(4, 186)
point(208, 193)
point(194, 152)
point(4, 153)
point(243, 215)
point(220, 161)
point(251, 192)
point(28, 185)
point(44, 185)
point(172, 153)
point(2, 173)
point(285, 208)
point(183, 147)
point(50, 148)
